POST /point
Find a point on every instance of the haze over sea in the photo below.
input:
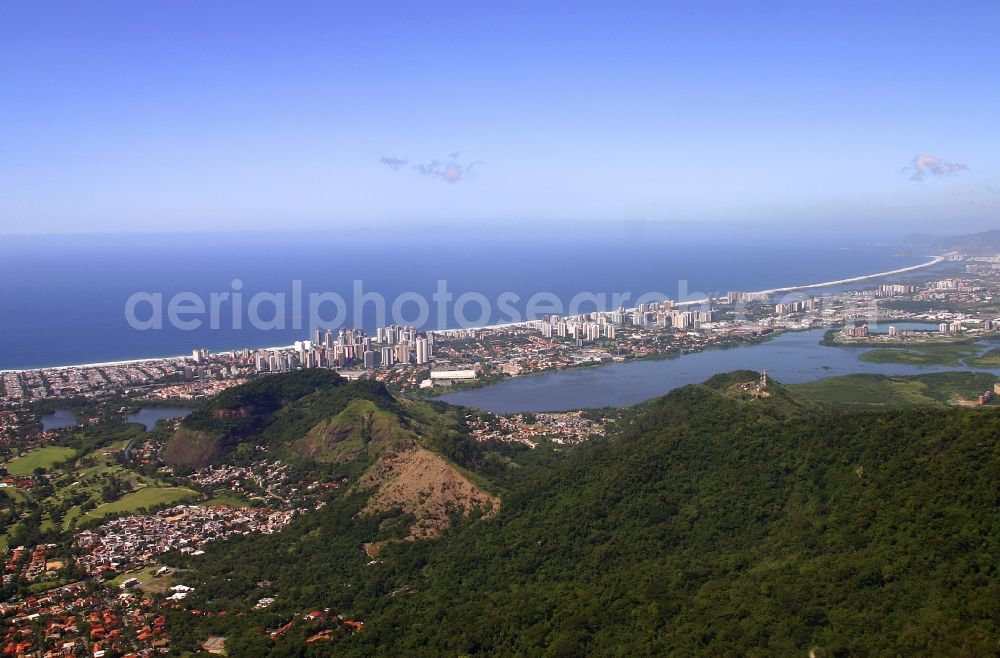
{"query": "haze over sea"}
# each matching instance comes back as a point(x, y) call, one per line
point(67, 306)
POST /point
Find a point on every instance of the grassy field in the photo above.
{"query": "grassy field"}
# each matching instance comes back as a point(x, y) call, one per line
point(148, 498)
point(989, 359)
point(935, 389)
point(942, 354)
point(223, 497)
point(85, 485)
point(75, 491)
point(148, 581)
point(73, 516)
point(16, 494)
point(43, 457)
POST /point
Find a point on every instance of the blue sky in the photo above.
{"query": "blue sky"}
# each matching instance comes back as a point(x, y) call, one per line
point(179, 116)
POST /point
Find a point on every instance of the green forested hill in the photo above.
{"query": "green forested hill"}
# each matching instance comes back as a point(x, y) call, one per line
point(861, 391)
point(307, 414)
point(709, 525)
point(263, 410)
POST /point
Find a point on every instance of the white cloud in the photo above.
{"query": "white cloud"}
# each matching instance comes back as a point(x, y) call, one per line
point(451, 171)
point(924, 165)
point(392, 162)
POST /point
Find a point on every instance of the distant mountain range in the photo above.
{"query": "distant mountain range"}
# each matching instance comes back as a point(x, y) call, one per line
point(987, 242)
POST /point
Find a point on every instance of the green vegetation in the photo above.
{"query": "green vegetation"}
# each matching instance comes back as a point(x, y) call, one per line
point(149, 582)
point(873, 391)
point(912, 306)
point(348, 434)
point(144, 574)
point(44, 458)
point(943, 354)
point(223, 497)
point(268, 411)
point(711, 523)
point(317, 420)
point(148, 498)
point(989, 359)
point(85, 471)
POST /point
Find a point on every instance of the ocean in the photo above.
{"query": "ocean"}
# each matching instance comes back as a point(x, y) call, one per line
point(63, 298)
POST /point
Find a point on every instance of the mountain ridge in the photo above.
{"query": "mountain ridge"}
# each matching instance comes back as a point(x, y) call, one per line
point(985, 242)
point(708, 524)
point(319, 417)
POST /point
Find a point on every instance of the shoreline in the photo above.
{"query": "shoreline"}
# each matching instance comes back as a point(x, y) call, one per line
point(701, 300)
point(132, 362)
point(839, 282)
point(934, 261)
point(658, 356)
point(826, 284)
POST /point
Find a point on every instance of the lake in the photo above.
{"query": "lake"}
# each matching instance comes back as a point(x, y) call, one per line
point(58, 419)
point(149, 416)
point(791, 358)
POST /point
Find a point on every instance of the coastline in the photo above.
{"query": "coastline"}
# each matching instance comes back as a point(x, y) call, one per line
point(701, 300)
point(934, 261)
point(829, 284)
point(691, 302)
point(131, 362)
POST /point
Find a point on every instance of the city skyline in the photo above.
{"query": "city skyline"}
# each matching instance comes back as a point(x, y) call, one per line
point(159, 118)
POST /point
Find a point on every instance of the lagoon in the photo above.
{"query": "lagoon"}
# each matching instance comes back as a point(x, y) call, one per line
point(792, 357)
point(149, 416)
point(58, 419)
